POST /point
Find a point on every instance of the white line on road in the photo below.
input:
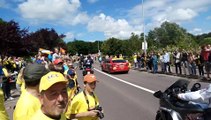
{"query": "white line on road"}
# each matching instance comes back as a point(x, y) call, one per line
point(118, 79)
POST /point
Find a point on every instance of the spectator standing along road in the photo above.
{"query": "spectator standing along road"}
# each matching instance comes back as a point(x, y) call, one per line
point(83, 104)
point(205, 52)
point(28, 103)
point(3, 113)
point(53, 97)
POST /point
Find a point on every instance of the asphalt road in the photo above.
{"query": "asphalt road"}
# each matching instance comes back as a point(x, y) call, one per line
point(130, 96)
point(126, 96)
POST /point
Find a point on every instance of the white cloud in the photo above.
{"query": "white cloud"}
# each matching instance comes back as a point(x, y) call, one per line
point(3, 4)
point(69, 37)
point(157, 11)
point(19, 1)
point(208, 18)
point(196, 31)
point(61, 11)
point(181, 15)
point(92, 1)
point(111, 27)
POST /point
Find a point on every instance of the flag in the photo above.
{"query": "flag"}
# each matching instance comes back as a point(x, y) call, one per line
point(62, 51)
point(44, 51)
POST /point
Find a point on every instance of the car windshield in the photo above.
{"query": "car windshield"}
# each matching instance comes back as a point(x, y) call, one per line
point(119, 61)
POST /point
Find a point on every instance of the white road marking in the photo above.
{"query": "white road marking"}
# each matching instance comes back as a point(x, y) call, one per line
point(118, 79)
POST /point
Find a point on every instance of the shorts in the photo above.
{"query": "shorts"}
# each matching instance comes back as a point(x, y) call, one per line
point(207, 66)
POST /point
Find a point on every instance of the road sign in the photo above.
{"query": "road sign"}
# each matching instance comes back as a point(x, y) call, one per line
point(144, 47)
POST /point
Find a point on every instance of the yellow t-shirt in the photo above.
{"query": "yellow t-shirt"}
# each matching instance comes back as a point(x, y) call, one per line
point(75, 77)
point(3, 113)
point(6, 74)
point(79, 105)
point(40, 116)
point(135, 57)
point(26, 106)
point(72, 91)
point(21, 82)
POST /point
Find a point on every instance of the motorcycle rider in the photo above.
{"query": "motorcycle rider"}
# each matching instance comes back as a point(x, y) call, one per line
point(201, 97)
point(81, 61)
point(88, 62)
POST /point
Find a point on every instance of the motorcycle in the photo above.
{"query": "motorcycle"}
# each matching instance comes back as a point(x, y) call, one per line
point(87, 70)
point(172, 108)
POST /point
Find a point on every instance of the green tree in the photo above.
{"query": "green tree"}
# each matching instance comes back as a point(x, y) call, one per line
point(170, 34)
point(206, 41)
point(82, 47)
point(11, 38)
point(112, 46)
point(135, 43)
point(47, 39)
point(203, 39)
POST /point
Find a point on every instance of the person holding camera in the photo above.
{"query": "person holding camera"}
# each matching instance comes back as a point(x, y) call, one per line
point(85, 105)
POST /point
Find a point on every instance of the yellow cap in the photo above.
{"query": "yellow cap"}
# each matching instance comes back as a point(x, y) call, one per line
point(50, 79)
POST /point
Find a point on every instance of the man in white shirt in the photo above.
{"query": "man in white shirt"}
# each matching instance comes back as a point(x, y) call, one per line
point(201, 97)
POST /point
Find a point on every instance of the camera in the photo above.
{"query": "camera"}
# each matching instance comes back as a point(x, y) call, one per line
point(100, 113)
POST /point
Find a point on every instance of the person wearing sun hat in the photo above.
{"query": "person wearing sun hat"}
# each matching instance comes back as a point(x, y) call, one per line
point(57, 65)
point(53, 97)
point(29, 103)
point(83, 104)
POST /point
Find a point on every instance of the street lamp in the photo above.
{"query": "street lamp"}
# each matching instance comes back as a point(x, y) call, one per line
point(98, 47)
point(145, 47)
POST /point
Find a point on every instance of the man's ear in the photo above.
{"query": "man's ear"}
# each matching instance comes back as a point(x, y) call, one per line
point(40, 96)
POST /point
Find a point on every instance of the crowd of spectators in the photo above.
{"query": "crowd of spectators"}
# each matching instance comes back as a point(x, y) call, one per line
point(187, 63)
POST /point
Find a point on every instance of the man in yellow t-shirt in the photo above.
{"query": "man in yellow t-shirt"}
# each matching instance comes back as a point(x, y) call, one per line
point(73, 86)
point(6, 83)
point(135, 60)
point(84, 104)
point(20, 84)
point(28, 103)
point(3, 113)
point(53, 97)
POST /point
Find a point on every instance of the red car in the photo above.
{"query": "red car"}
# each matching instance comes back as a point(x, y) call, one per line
point(115, 66)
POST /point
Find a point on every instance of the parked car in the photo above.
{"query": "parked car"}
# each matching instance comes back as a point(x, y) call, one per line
point(115, 65)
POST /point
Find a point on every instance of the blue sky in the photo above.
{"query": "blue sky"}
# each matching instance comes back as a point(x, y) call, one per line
point(92, 20)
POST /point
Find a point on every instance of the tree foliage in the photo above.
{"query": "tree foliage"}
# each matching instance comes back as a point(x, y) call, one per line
point(112, 46)
point(82, 47)
point(11, 38)
point(45, 38)
point(206, 41)
point(19, 42)
point(170, 34)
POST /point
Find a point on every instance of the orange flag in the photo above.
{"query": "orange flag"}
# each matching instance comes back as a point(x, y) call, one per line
point(63, 51)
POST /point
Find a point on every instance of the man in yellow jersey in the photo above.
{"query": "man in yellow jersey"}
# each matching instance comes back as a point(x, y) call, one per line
point(73, 86)
point(85, 105)
point(20, 84)
point(6, 82)
point(29, 103)
point(53, 97)
point(3, 113)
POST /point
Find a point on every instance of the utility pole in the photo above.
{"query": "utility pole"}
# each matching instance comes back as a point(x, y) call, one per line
point(98, 48)
point(145, 47)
